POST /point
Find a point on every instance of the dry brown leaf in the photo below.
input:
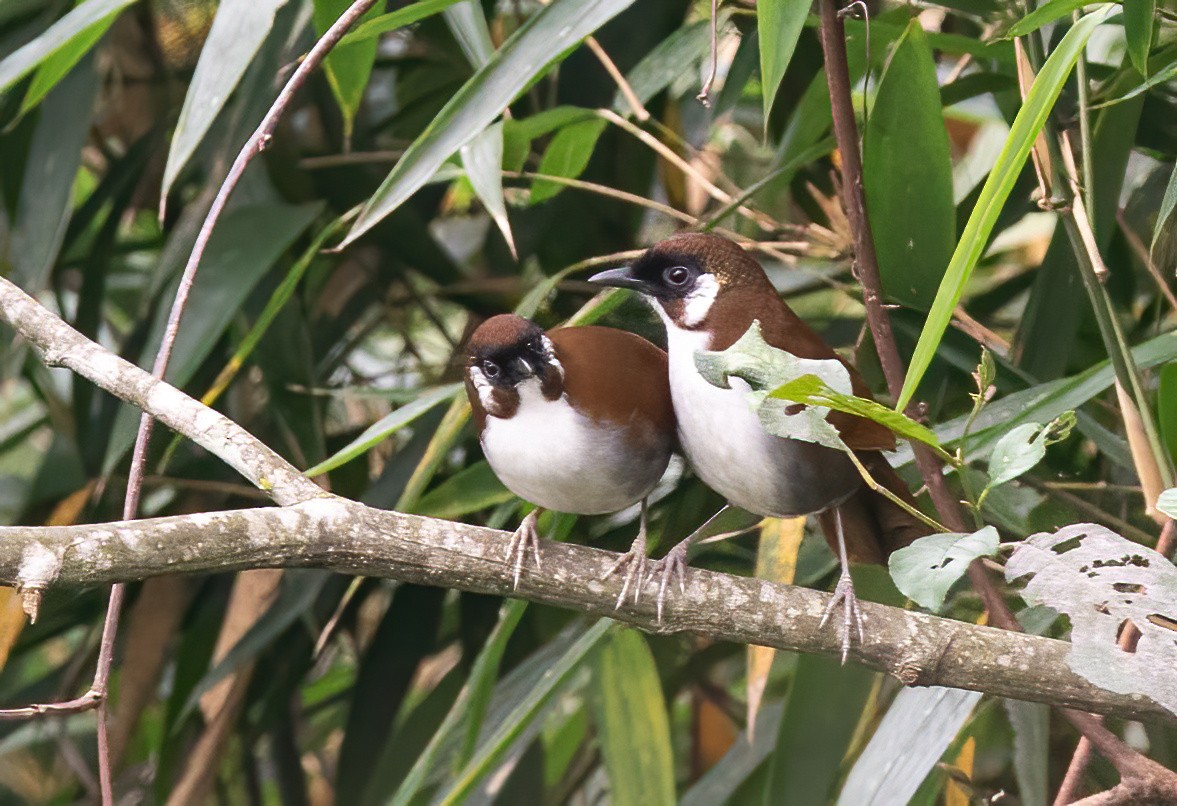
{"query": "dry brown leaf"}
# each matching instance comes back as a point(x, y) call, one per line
point(954, 793)
point(253, 592)
point(1040, 153)
point(1142, 455)
point(714, 733)
point(776, 560)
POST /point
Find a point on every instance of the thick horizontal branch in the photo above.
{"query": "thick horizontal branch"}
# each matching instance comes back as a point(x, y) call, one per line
point(347, 537)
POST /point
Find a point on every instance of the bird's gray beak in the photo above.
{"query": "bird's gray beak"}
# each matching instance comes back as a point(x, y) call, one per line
point(619, 278)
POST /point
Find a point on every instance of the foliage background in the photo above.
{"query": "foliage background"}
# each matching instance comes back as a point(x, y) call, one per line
point(372, 334)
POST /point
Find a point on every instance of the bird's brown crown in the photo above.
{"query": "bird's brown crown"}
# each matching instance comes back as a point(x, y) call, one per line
point(710, 254)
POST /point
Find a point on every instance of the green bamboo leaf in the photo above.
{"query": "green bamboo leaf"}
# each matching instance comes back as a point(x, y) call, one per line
point(666, 62)
point(347, 66)
point(237, 32)
point(386, 426)
point(511, 727)
point(471, 705)
point(1043, 15)
point(633, 729)
point(468, 24)
point(546, 35)
point(382, 24)
point(1167, 406)
point(1168, 205)
point(1139, 20)
point(76, 25)
point(924, 722)
point(469, 490)
point(60, 63)
point(566, 156)
point(482, 158)
point(1026, 126)
point(907, 173)
point(778, 26)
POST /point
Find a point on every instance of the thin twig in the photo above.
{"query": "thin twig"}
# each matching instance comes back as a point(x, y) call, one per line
point(763, 221)
point(704, 96)
point(1138, 246)
point(635, 104)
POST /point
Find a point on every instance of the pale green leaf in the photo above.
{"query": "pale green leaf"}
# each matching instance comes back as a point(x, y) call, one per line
point(78, 23)
point(778, 26)
point(566, 156)
point(482, 158)
point(925, 570)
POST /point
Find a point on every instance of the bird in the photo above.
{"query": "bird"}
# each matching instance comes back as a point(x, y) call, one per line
point(577, 420)
point(708, 291)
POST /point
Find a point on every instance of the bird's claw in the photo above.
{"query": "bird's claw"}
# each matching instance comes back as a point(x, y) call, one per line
point(634, 563)
point(851, 613)
point(674, 564)
point(525, 537)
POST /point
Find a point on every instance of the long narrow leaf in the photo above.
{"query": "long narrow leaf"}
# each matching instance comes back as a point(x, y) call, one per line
point(60, 34)
point(537, 44)
point(1028, 123)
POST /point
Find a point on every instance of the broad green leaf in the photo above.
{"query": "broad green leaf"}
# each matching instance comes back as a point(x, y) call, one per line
point(382, 24)
point(926, 569)
point(907, 173)
point(347, 66)
point(238, 30)
point(1024, 446)
point(1042, 15)
point(1139, 19)
point(778, 26)
point(386, 426)
point(1083, 563)
point(482, 158)
point(666, 62)
point(566, 156)
point(547, 34)
point(58, 65)
point(922, 721)
point(470, 707)
point(1167, 502)
point(77, 24)
point(632, 725)
point(43, 209)
point(555, 677)
point(1028, 123)
point(470, 489)
point(1168, 205)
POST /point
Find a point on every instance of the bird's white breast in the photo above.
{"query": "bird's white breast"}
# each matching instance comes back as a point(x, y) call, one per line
point(552, 455)
point(734, 455)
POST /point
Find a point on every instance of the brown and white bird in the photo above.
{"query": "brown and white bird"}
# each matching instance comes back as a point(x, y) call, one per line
point(708, 291)
point(574, 420)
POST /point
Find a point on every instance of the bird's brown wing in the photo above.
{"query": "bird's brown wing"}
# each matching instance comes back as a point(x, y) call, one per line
point(615, 375)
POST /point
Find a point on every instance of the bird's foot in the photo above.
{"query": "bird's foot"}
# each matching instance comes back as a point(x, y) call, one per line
point(673, 565)
point(634, 563)
point(851, 614)
point(526, 537)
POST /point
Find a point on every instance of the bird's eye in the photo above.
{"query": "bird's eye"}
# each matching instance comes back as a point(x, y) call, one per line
point(490, 369)
point(676, 276)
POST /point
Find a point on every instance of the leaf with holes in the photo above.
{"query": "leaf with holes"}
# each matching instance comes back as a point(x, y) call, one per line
point(926, 569)
point(1103, 582)
point(1025, 446)
point(764, 368)
point(1167, 502)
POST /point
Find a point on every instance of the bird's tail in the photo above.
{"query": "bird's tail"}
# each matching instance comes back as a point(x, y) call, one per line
point(873, 525)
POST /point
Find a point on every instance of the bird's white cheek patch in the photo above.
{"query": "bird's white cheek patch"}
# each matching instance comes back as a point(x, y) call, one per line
point(483, 387)
point(550, 356)
point(698, 303)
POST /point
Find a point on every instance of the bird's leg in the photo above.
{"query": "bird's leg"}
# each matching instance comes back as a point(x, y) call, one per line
point(844, 595)
point(674, 564)
point(525, 537)
point(634, 563)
